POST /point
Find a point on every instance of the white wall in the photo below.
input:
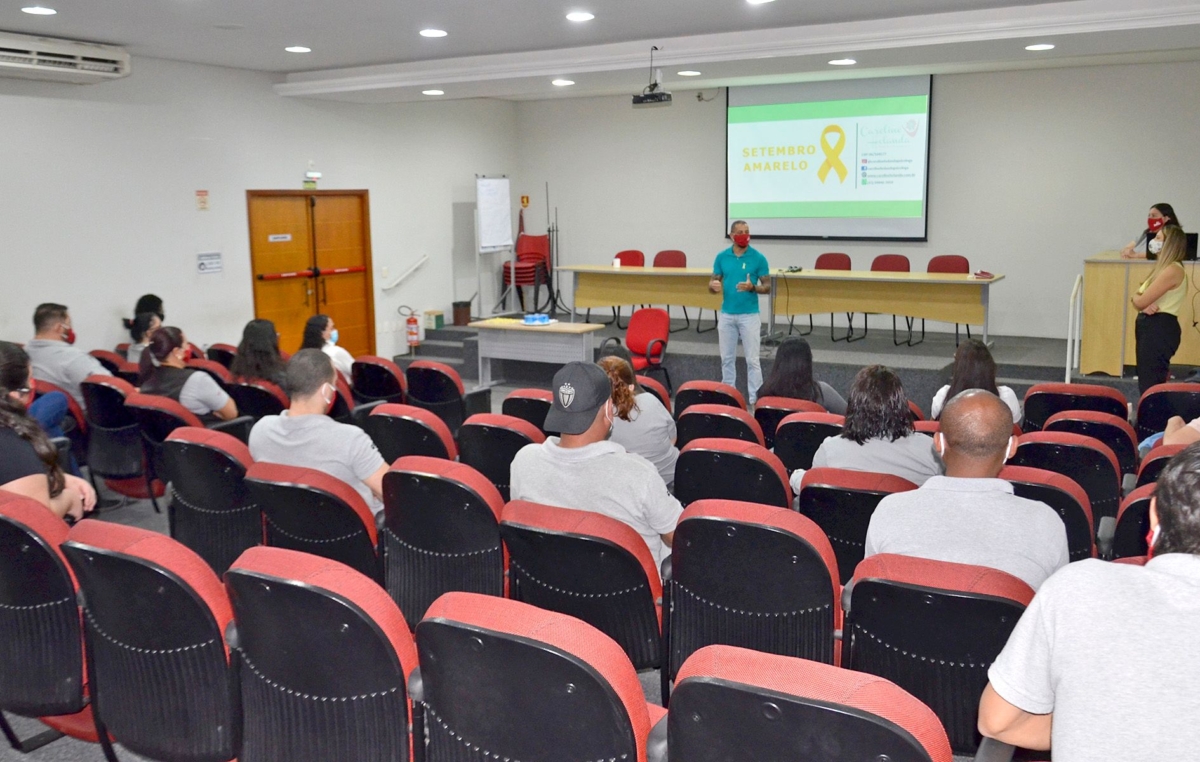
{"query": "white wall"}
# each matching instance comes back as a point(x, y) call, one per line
point(1030, 172)
point(98, 188)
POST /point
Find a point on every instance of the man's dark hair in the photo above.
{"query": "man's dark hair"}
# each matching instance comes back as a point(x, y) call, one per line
point(1178, 503)
point(735, 223)
point(877, 407)
point(308, 371)
point(48, 314)
point(977, 424)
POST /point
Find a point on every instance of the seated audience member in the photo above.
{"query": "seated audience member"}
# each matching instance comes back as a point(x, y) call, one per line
point(140, 329)
point(304, 435)
point(165, 373)
point(878, 434)
point(641, 424)
point(147, 303)
point(28, 459)
point(320, 333)
point(1100, 665)
point(258, 355)
point(974, 368)
point(792, 376)
point(55, 360)
point(583, 470)
point(1180, 432)
point(969, 516)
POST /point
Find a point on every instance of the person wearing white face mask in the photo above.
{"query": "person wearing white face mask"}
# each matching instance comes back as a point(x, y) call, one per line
point(581, 469)
point(969, 516)
point(1160, 217)
point(320, 333)
point(305, 436)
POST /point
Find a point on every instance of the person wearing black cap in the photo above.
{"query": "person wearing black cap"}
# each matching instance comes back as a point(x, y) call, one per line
point(583, 470)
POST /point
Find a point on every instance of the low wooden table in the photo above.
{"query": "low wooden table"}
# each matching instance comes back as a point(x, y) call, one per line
point(511, 339)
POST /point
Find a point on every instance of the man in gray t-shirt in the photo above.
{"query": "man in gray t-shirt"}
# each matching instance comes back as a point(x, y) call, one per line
point(969, 516)
point(1102, 665)
point(305, 436)
point(52, 355)
point(581, 469)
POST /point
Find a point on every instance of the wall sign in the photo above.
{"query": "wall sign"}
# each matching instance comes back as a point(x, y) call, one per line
point(280, 237)
point(209, 262)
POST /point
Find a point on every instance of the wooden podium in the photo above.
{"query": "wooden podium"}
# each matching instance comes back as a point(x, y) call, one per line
point(1108, 344)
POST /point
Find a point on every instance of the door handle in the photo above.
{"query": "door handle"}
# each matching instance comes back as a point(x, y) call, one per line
point(324, 292)
point(307, 291)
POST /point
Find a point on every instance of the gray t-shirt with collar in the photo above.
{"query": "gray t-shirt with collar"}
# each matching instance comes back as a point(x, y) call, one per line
point(910, 457)
point(971, 521)
point(64, 365)
point(602, 478)
point(317, 441)
point(1110, 649)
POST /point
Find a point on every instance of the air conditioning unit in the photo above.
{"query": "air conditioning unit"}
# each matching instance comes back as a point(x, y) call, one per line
point(80, 63)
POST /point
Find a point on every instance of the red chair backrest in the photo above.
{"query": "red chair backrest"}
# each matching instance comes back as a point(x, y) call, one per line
point(892, 263)
point(670, 258)
point(215, 369)
point(657, 389)
point(734, 422)
point(712, 392)
point(948, 263)
point(833, 260)
point(534, 248)
point(631, 258)
point(645, 326)
point(1154, 463)
point(45, 387)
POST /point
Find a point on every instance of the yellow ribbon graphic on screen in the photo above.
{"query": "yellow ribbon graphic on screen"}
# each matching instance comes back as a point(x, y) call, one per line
point(833, 154)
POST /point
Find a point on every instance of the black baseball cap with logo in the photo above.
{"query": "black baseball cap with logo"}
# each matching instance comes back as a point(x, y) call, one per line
point(580, 389)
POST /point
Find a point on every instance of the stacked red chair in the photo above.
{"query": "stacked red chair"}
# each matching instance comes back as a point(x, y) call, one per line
point(440, 533)
point(400, 430)
point(505, 680)
point(211, 511)
point(589, 566)
point(325, 661)
point(756, 705)
point(727, 469)
point(158, 665)
point(933, 628)
point(311, 511)
point(748, 575)
point(842, 502)
point(532, 268)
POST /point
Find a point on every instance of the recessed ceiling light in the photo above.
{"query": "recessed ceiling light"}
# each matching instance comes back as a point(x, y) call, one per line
point(689, 73)
point(563, 82)
point(433, 32)
point(297, 49)
point(842, 62)
point(39, 10)
point(1040, 46)
point(433, 92)
point(759, 2)
point(580, 16)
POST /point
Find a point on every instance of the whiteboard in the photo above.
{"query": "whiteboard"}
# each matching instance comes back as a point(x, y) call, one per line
point(493, 202)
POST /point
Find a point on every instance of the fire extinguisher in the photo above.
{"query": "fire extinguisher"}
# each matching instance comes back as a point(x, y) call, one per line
point(412, 326)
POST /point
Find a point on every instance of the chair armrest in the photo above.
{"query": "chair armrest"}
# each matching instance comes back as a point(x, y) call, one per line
point(650, 350)
point(656, 742)
point(237, 427)
point(1128, 483)
point(665, 571)
point(359, 415)
point(604, 344)
point(992, 750)
point(63, 446)
point(416, 686)
point(477, 401)
point(1104, 537)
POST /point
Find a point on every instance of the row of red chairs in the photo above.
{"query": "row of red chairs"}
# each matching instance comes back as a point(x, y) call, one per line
point(295, 657)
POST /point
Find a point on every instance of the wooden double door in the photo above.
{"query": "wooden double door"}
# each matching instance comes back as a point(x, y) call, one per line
point(311, 254)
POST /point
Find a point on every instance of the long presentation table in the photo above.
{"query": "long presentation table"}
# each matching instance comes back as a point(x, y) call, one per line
point(1107, 342)
point(947, 297)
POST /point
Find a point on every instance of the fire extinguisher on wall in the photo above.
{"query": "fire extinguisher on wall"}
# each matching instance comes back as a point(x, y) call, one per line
point(412, 326)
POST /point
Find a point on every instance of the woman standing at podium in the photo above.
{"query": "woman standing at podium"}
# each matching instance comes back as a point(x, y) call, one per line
point(1161, 216)
point(1158, 301)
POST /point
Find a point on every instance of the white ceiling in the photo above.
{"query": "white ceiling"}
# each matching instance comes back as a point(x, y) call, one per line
point(369, 51)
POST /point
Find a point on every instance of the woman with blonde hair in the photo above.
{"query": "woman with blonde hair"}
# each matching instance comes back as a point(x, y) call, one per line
point(640, 422)
point(1158, 301)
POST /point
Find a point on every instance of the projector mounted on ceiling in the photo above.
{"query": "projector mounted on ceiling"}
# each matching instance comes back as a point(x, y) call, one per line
point(81, 63)
point(653, 94)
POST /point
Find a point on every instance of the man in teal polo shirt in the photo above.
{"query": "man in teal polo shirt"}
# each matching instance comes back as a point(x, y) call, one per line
point(742, 274)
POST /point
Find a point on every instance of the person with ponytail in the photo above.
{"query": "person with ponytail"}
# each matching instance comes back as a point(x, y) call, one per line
point(165, 373)
point(1158, 301)
point(140, 329)
point(640, 422)
point(28, 459)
